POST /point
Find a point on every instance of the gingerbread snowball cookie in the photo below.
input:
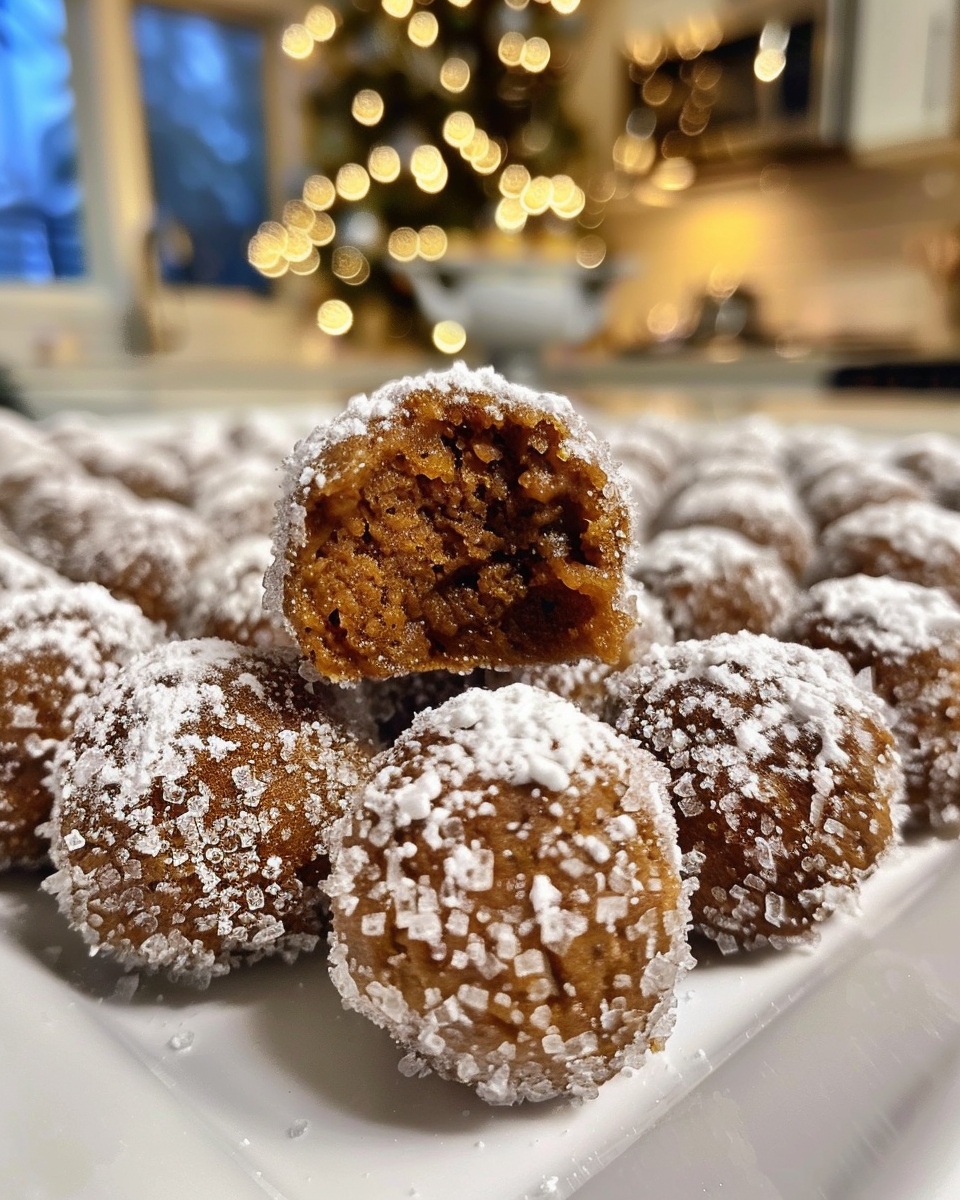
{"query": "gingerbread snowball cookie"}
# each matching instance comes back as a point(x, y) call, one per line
point(194, 800)
point(785, 779)
point(58, 645)
point(506, 897)
point(451, 521)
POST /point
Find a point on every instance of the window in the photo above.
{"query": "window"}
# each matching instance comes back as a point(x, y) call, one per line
point(40, 197)
point(202, 82)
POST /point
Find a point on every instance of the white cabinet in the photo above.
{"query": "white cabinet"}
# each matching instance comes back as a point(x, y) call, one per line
point(904, 87)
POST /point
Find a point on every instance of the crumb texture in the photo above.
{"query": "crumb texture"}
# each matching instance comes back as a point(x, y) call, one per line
point(451, 522)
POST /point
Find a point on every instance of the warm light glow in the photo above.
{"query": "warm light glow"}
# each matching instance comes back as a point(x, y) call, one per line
point(458, 129)
point(511, 48)
point(775, 35)
point(433, 243)
point(306, 266)
point(477, 146)
point(404, 244)
point(565, 7)
point(510, 216)
point(460, 3)
point(564, 190)
point(449, 337)
point(455, 75)
point(433, 186)
point(591, 251)
point(321, 22)
point(335, 317)
point(769, 64)
point(367, 107)
point(663, 320)
point(535, 55)
point(264, 252)
point(319, 192)
point(298, 215)
point(634, 155)
point(276, 271)
point(537, 195)
point(573, 207)
point(299, 246)
point(297, 41)
point(398, 8)
point(487, 163)
point(426, 163)
point(349, 264)
point(646, 49)
point(513, 180)
point(353, 182)
point(383, 163)
point(323, 230)
point(657, 90)
point(423, 29)
point(674, 174)
point(517, 5)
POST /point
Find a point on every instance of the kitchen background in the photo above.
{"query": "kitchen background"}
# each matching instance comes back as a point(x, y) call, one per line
point(770, 199)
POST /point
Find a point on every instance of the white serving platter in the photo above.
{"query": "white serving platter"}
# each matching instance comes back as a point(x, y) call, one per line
point(262, 1085)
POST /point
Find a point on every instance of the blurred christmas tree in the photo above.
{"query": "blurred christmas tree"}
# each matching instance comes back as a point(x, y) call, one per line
point(427, 119)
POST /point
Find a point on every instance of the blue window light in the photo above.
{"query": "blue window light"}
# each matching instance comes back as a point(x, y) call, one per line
point(202, 82)
point(40, 196)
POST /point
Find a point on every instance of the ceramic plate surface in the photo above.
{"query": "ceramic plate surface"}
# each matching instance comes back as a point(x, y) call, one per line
point(114, 1088)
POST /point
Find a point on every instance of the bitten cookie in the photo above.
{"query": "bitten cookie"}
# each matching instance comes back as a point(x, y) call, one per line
point(451, 521)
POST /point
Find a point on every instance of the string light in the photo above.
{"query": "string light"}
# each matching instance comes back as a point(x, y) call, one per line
point(398, 8)
point(458, 129)
point(403, 244)
point(321, 22)
point(510, 216)
point(423, 29)
point(298, 215)
point(367, 107)
point(299, 247)
point(565, 7)
point(434, 186)
point(449, 337)
point(323, 230)
point(383, 163)
point(335, 317)
point(535, 55)
point(308, 265)
point(511, 48)
point(319, 192)
point(348, 264)
point(297, 41)
point(477, 147)
point(426, 164)
point(513, 180)
point(264, 251)
point(673, 174)
point(278, 270)
point(432, 243)
point(353, 182)
point(591, 251)
point(486, 164)
point(536, 196)
point(455, 75)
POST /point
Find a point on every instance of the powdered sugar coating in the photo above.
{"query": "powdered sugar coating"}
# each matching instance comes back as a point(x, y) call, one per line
point(908, 637)
point(225, 597)
point(193, 803)
point(934, 459)
point(872, 616)
point(58, 644)
point(19, 572)
point(907, 539)
point(506, 898)
point(96, 530)
point(769, 516)
point(712, 580)
point(785, 779)
point(845, 488)
point(150, 471)
point(238, 497)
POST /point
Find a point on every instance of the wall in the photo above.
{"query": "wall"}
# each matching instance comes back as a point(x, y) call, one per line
point(824, 245)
